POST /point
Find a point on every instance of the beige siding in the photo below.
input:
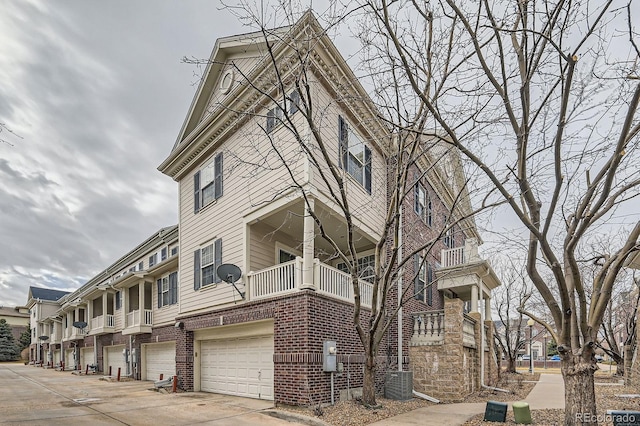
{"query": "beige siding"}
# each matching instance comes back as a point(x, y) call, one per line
point(264, 240)
point(166, 314)
point(368, 209)
point(217, 100)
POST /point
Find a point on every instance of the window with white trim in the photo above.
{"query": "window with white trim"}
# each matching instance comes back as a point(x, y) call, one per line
point(366, 267)
point(448, 238)
point(423, 280)
point(275, 116)
point(207, 183)
point(168, 290)
point(354, 154)
point(153, 259)
point(422, 204)
point(205, 264)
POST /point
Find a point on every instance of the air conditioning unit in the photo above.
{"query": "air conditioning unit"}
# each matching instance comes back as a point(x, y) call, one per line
point(398, 385)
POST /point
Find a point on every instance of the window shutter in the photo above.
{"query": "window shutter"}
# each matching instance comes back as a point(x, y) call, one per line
point(218, 176)
point(196, 192)
point(430, 284)
point(271, 120)
point(218, 259)
point(159, 282)
point(367, 169)
point(118, 300)
point(173, 288)
point(343, 150)
point(416, 199)
point(294, 101)
point(196, 270)
point(417, 287)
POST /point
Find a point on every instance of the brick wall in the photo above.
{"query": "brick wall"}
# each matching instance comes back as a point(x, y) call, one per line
point(302, 322)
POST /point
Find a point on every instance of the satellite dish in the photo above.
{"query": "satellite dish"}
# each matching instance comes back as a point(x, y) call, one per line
point(43, 337)
point(230, 273)
point(79, 324)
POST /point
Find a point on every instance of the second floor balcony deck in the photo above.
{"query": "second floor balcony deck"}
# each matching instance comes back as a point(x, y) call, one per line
point(286, 278)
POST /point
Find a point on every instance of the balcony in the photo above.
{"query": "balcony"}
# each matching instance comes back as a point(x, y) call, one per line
point(138, 322)
point(102, 324)
point(464, 273)
point(286, 278)
point(73, 333)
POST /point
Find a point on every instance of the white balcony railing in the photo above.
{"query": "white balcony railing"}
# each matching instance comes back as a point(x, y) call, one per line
point(287, 278)
point(134, 318)
point(460, 255)
point(102, 321)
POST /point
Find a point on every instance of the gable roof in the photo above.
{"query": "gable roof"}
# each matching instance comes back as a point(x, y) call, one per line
point(9, 311)
point(202, 133)
point(46, 293)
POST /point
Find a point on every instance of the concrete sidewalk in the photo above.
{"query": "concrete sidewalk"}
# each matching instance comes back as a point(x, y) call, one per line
point(547, 393)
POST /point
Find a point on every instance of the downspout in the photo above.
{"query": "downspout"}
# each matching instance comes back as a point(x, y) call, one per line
point(399, 296)
point(483, 343)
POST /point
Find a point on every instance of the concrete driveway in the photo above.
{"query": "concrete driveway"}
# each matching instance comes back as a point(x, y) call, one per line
point(37, 396)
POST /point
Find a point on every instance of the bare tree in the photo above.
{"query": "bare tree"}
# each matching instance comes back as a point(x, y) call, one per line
point(290, 90)
point(507, 299)
point(620, 323)
point(542, 98)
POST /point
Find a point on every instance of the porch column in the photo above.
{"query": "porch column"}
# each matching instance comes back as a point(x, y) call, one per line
point(89, 315)
point(140, 302)
point(308, 249)
point(474, 298)
point(104, 308)
point(487, 308)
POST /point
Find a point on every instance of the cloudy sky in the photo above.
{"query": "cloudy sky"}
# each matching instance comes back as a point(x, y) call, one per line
point(95, 94)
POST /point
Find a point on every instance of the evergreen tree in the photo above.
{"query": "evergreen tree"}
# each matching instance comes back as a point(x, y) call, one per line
point(9, 350)
point(25, 339)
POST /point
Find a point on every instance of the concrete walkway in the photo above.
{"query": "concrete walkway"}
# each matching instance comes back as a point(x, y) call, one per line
point(547, 393)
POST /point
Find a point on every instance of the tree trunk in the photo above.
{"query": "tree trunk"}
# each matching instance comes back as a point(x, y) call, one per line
point(511, 365)
point(579, 392)
point(369, 382)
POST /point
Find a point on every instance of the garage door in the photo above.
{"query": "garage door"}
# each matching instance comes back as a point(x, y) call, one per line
point(113, 358)
point(242, 366)
point(86, 357)
point(160, 358)
point(69, 362)
point(56, 357)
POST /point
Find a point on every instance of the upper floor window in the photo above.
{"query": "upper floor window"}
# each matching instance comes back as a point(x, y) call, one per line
point(163, 254)
point(174, 251)
point(118, 300)
point(207, 183)
point(366, 267)
point(153, 259)
point(168, 290)
point(354, 154)
point(275, 115)
point(140, 266)
point(422, 204)
point(423, 281)
point(448, 238)
point(205, 264)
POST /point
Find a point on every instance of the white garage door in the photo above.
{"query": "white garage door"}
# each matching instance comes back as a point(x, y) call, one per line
point(113, 358)
point(56, 357)
point(242, 367)
point(160, 358)
point(69, 362)
point(86, 357)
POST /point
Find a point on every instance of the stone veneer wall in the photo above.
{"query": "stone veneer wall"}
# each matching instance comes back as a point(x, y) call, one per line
point(448, 371)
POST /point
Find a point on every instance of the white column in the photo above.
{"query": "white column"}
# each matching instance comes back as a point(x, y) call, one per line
point(104, 308)
point(474, 298)
point(308, 248)
point(141, 301)
point(487, 308)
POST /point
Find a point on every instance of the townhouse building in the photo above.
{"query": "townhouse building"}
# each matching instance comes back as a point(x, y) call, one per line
point(249, 197)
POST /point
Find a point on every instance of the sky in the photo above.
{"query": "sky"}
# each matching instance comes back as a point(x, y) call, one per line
point(92, 97)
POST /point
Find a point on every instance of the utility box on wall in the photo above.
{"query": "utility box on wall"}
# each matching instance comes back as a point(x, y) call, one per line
point(329, 357)
point(398, 385)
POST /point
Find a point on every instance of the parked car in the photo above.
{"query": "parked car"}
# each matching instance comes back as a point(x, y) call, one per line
point(555, 358)
point(525, 357)
point(599, 358)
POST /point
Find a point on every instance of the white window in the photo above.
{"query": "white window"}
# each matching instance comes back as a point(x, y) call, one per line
point(168, 290)
point(423, 281)
point(206, 261)
point(422, 204)
point(207, 183)
point(366, 267)
point(355, 155)
point(275, 116)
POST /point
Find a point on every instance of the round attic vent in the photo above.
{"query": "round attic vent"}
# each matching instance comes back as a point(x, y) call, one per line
point(226, 81)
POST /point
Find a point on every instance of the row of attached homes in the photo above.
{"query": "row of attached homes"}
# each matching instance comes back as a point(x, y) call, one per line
point(163, 309)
